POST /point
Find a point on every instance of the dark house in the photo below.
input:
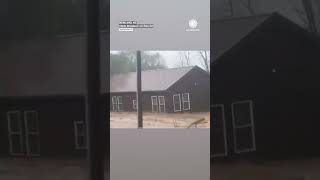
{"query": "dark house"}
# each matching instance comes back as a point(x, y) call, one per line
point(292, 9)
point(265, 88)
point(42, 104)
point(164, 90)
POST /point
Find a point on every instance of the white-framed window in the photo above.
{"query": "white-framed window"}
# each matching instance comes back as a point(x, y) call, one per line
point(117, 103)
point(80, 135)
point(219, 130)
point(134, 104)
point(15, 132)
point(176, 102)
point(32, 133)
point(243, 126)
point(114, 103)
point(162, 104)
point(154, 103)
point(120, 103)
point(186, 101)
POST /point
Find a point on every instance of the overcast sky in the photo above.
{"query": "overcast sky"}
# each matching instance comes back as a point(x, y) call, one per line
point(172, 58)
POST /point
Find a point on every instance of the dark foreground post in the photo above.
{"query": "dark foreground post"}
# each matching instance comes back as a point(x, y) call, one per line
point(94, 112)
point(139, 94)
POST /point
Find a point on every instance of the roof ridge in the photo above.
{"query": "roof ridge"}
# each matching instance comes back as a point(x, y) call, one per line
point(155, 80)
point(186, 67)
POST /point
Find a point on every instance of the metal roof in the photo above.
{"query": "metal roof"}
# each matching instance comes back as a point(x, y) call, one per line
point(152, 80)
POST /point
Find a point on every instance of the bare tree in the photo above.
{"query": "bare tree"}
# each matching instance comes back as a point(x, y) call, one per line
point(186, 55)
point(307, 4)
point(205, 59)
point(305, 12)
point(184, 59)
point(229, 5)
point(180, 62)
point(249, 5)
point(300, 12)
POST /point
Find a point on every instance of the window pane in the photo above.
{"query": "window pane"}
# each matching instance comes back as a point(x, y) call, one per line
point(14, 121)
point(81, 129)
point(33, 144)
point(244, 138)
point(185, 97)
point(16, 144)
point(242, 114)
point(154, 100)
point(161, 100)
point(177, 102)
point(32, 121)
point(119, 99)
point(81, 141)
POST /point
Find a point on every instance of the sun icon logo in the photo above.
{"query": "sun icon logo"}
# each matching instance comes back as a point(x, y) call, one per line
point(193, 23)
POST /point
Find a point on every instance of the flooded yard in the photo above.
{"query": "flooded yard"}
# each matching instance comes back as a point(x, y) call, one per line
point(159, 120)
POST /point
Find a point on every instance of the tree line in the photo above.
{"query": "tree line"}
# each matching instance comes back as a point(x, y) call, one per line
point(125, 61)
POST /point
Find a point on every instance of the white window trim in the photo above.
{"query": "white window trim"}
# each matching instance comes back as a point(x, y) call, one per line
point(156, 104)
point(189, 102)
point(174, 104)
point(224, 132)
point(134, 104)
point(114, 103)
point(120, 97)
point(27, 133)
point(10, 133)
point(76, 135)
point(251, 124)
point(164, 104)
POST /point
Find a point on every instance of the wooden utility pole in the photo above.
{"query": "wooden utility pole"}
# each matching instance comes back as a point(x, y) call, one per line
point(139, 93)
point(94, 113)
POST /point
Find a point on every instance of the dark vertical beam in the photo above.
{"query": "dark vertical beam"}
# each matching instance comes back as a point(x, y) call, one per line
point(139, 93)
point(94, 112)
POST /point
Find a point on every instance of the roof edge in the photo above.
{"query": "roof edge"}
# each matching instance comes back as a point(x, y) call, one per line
point(273, 15)
point(194, 67)
point(118, 74)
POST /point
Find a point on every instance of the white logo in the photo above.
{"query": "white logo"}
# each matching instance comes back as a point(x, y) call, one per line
point(193, 23)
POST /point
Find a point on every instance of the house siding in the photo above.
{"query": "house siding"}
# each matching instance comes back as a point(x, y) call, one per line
point(56, 123)
point(284, 100)
point(196, 82)
point(146, 99)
